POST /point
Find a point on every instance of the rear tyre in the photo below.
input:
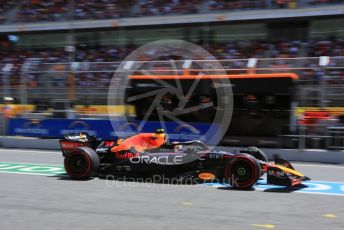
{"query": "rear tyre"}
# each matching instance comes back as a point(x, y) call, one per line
point(82, 163)
point(243, 171)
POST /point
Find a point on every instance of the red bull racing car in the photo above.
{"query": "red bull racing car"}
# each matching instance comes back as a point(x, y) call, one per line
point(147, 155)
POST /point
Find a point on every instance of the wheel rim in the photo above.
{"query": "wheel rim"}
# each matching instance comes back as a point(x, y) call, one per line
point(242, 172)
point(77, 164)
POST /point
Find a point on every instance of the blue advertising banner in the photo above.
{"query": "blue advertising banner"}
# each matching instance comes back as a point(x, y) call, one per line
point(56, 128)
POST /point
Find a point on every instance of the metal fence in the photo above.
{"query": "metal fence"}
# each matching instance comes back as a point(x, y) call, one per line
point(320, 84)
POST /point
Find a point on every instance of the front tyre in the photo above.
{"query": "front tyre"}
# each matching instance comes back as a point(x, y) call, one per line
point(243, 171)
point(82, 163)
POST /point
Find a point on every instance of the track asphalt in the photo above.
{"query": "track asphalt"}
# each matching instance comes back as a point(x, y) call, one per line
point(50, 201)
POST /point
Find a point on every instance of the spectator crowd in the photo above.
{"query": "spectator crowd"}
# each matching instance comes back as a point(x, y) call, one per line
point(59, 10)
point(12, 11)
point(234, 51)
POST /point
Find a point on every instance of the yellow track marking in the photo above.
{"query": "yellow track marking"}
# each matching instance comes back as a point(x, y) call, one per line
point(186, 203)
point(330, 215)
point(268, 226)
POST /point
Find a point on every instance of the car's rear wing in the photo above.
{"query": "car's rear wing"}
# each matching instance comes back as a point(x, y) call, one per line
point(72, 141)
point(68, 145)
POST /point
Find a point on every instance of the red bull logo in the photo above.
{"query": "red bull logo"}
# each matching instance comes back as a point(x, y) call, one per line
point(126, 155)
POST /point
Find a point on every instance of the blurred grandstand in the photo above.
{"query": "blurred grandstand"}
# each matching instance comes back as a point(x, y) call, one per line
point(59, 10)
point(65, 49)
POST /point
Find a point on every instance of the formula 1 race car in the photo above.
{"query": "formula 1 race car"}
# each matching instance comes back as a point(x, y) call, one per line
point(147, 155)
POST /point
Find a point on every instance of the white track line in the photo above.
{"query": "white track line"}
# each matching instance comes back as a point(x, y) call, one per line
point(319, 165)
point(24, 163)
point(30, 151)
point(35, 174)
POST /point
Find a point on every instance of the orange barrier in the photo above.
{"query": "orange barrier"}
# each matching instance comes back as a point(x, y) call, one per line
point(333, 111)
point(313, 117)
point(82, 109)
point(223, 76)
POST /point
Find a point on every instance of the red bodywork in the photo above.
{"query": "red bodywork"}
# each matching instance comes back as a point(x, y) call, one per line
point(141, 142)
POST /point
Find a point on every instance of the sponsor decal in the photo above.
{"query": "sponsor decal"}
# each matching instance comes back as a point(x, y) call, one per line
point(31, 131)
point(206, 176)
point(102, 149)
point(163, 160)
point(34, 169)
point(79, 137)
point(241, 171)
point(111, 143)
point(215, 156)
point(67, 145)
point(32, 126)
point(126, 155)
point(278, 173)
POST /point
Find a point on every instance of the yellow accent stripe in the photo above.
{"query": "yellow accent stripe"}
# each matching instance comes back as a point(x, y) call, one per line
point(291, 171)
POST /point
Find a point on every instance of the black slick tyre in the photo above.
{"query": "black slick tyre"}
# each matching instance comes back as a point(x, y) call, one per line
point(82, 163)
point(243, 171)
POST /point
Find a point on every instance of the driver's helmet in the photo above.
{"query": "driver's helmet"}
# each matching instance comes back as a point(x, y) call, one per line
point(252, 149)
point(160, 134)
